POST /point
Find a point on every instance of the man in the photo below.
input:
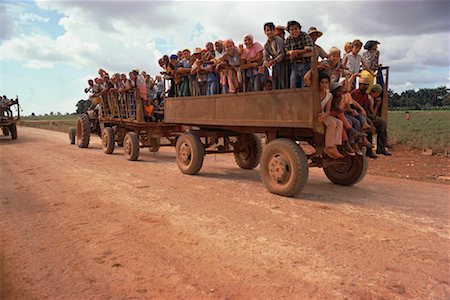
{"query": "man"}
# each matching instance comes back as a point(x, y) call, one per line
point(251, 59)
point(314, 34)
point(360, 95)
point(297, 44)
point(274, 56)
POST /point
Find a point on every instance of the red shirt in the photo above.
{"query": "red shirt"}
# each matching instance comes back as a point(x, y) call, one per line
point(361, 97)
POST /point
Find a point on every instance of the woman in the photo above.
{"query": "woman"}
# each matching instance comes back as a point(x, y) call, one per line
point(229, 61)
point(370, 60)
point(334, 126)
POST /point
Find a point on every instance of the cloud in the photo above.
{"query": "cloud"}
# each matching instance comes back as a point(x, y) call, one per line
point(30, 17)
point(7, 25)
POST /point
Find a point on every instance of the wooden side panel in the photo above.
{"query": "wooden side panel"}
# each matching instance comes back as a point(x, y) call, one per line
point(282, 108)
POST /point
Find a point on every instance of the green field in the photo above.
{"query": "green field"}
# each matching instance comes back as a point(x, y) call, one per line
point(426, 129)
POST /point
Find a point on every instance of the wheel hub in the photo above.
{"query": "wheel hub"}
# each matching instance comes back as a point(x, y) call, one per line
point(104, 140)
point(127, 146)
point(185, 153)
point(279, 168)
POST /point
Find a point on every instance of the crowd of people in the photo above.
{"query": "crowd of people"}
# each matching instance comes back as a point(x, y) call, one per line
point(5, 106)
point(350, 100)
point(351, 115)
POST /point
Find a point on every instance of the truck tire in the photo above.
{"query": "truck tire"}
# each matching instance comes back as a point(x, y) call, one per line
point(13, 131)
point(249, 154)
point(108, 140)
point(5, 130)
point(155, 143)
point(190, 153)
point(83, 131)
point(131, 146)
point(284, 167)
point(72, 135)
point(351, 171)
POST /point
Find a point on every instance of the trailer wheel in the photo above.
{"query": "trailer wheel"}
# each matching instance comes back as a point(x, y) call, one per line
point(155, 143)
point(83, 131)
point(5, 130)
point(284, 167)
point(13, 130)
point(190, 153)
point(131, 146)
point(72, 135)
point(108, 140)
point(349, 171)
point(249, 153)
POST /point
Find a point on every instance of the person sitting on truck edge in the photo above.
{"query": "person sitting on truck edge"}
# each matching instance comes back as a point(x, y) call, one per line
point(334, 126)
point(229, 61)
point(315, 34)
point(360, 96)
point(274, 55)
point(297, 44)
point(251, 59)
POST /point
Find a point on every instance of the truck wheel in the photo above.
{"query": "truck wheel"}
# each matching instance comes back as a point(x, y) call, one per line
point(72, 135)
point(83, 131)
point(249, 153)
point(131, 146)
point(190, 153)
point(108, 140)
point(5, 130)
point(352, 170)
point(13, 130)
point(155, 143)
point(284, 167)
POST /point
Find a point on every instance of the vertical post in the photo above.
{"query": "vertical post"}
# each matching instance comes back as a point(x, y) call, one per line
point(139, 107)
point(385, 100)
point(319, 129)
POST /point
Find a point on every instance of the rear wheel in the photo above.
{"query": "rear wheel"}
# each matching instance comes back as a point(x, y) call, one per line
point(13, 130)
point(249, 152)
point(284, 167)
point(190, 153)
point(108, 140)
point(5, 130)
point(348, 170)
point(72, 135)
point(83, 131)
point(131, 146)
point(155, 143)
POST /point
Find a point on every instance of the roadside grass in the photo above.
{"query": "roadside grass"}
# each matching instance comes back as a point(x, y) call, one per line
point(425, 129)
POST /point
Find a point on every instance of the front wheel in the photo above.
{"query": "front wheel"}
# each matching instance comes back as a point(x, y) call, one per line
point(249, 151)
point(284, 167)
point(13, 131)
point(348, 170)
point(131, 146)
point(72, 135)
point(190, 153)
point(108, 140)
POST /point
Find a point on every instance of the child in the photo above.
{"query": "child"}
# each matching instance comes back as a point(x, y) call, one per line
point(332, 67)
point(353, 61)
point(347, 48)
point(333, 131)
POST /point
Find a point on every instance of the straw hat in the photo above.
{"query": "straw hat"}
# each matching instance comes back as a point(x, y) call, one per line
point(312, 30)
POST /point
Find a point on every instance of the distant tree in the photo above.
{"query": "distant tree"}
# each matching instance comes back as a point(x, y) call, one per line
point(51, 113)
point(33, 115)
point(58, 113)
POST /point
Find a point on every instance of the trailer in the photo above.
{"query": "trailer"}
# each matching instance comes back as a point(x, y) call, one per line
point(9, 119)
point(118, 119)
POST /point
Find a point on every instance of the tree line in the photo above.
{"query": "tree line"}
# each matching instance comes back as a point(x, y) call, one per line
point(422, 99)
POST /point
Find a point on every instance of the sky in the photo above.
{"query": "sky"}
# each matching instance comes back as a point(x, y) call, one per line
point(50, 48)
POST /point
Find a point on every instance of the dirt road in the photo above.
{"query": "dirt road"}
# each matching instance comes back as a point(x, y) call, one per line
point(76, 224)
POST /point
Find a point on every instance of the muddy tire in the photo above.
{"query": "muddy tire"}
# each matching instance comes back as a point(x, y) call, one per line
point(83, 131)
point(131, 146)
point(351, 171)
point(108, 140)
point(190, 153)
point(72, 135)
point(155, 143)
point(249, 153)
point(13, 130)
point(5, 130)
point(284, 167)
